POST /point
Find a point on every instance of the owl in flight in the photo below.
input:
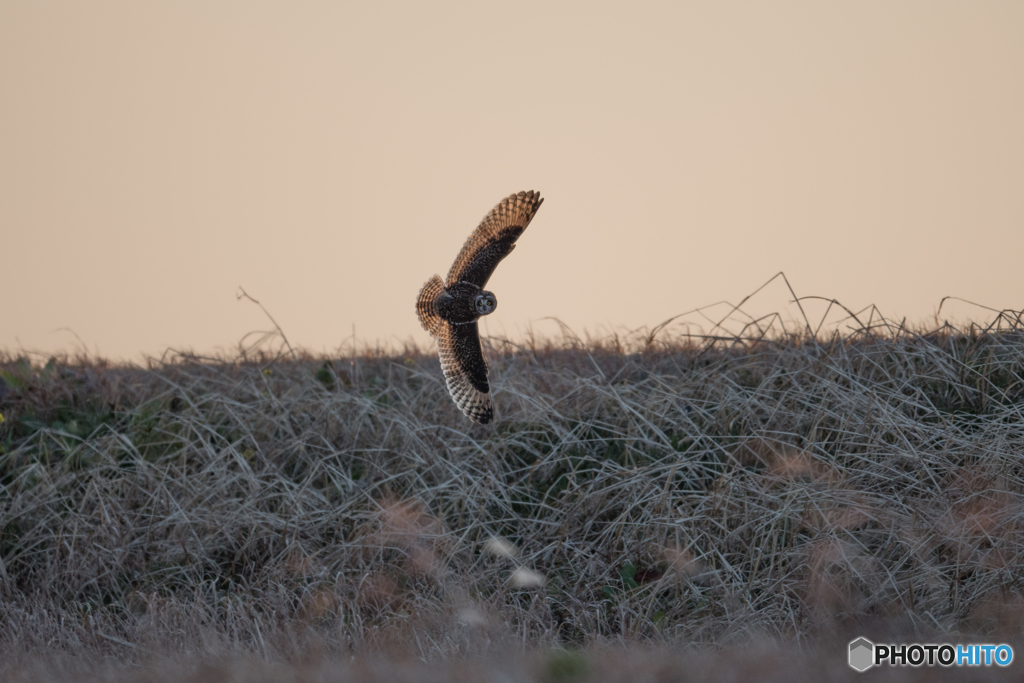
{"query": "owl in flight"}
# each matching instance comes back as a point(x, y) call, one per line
point(449, 310)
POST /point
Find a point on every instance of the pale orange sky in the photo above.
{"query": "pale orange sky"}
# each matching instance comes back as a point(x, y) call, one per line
point(329, 157)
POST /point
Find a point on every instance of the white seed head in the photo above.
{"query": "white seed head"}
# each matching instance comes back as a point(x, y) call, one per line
point(527, 578)
point(500, 547)
point(473, 616)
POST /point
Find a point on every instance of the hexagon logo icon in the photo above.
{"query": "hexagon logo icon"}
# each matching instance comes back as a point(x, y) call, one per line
point(862, 654)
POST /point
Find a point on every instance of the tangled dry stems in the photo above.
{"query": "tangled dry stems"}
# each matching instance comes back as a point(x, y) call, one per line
point(670, 492)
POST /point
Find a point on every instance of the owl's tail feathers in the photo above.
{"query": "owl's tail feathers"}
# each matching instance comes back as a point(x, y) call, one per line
point(426, 305)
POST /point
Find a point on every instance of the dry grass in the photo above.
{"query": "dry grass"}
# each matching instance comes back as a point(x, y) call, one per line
point(647, 491)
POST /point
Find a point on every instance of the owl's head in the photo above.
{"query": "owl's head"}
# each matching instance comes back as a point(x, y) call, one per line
point(485, 303)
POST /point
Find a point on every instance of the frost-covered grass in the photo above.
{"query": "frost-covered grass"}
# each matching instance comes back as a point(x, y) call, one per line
point(668, 493)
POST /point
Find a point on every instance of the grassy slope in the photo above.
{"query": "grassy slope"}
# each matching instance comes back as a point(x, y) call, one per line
point(784, 489)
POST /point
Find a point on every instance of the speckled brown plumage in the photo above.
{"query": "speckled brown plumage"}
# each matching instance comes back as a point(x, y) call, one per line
point(449, 310)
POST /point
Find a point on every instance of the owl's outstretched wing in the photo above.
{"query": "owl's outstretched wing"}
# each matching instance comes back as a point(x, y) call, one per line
point(494, 239)
point(465, 371)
